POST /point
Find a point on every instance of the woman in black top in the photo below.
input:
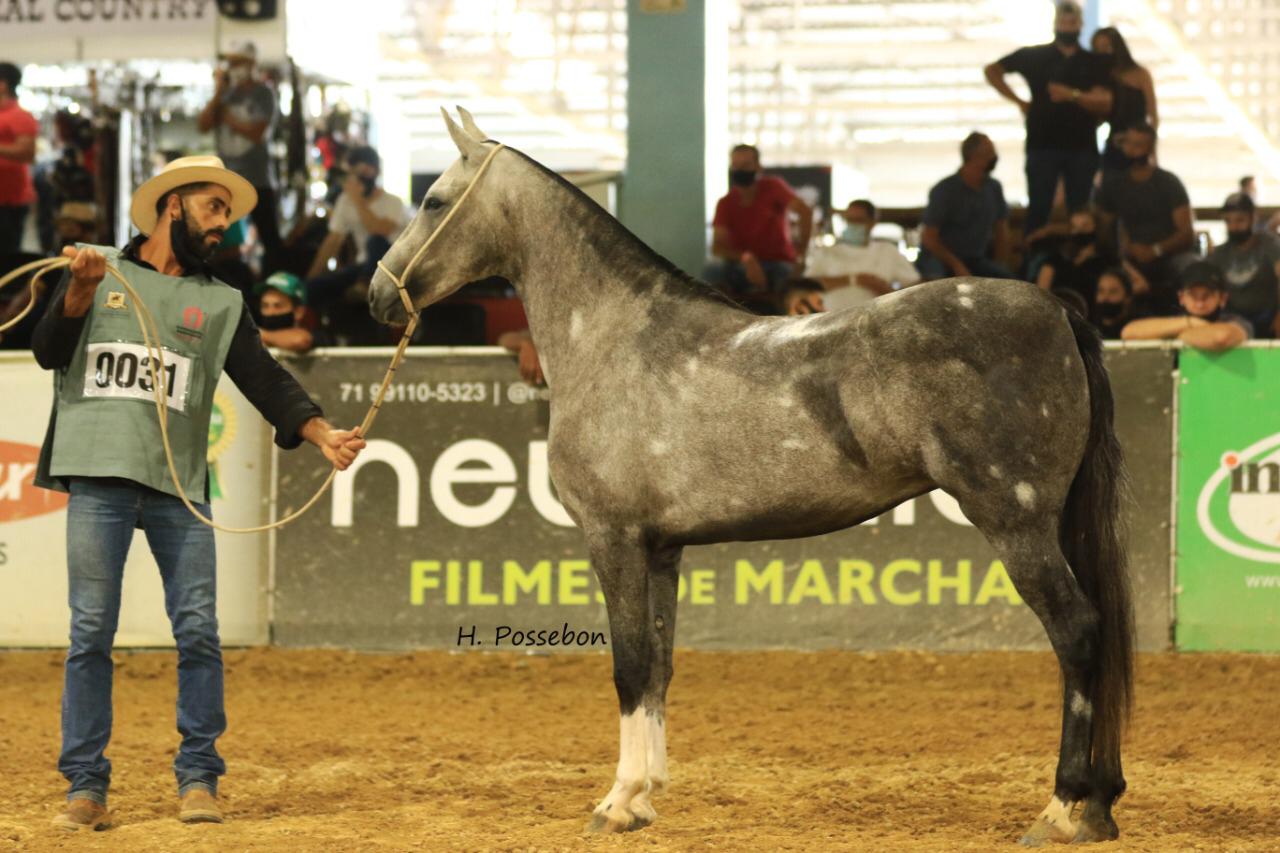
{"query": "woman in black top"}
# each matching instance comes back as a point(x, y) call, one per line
point(1134, 100)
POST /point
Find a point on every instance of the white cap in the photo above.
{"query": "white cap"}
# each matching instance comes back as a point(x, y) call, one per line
point(240, 49)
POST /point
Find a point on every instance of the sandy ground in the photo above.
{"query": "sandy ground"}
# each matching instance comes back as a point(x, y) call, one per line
point(770, 751)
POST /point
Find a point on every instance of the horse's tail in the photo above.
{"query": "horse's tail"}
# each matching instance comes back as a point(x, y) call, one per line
point(1092, 540)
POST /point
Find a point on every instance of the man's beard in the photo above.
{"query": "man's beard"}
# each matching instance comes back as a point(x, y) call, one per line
point(191, 249)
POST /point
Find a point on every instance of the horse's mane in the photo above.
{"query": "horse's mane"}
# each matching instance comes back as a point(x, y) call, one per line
point(618, 235)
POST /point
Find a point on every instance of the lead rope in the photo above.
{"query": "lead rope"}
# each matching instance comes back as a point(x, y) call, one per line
point(155, 362)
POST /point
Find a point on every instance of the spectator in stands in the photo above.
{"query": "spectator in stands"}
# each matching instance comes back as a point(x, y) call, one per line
point(1153, 212)
point(1249, 186)
point(1203, 323)
point(1114, 306)
point(751, 238)
point(803, 296)
point(1133, 92)
point(76, 222)
point(372, 217)
point(1077, 264)
point(281, 308)
point(1250, 264)
point(967, 218)
point(858, 268)
point(1069, 97)
point(241, 113)
point(18, 129)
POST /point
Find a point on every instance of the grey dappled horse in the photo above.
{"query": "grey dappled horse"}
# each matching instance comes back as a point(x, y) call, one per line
point(681, 419)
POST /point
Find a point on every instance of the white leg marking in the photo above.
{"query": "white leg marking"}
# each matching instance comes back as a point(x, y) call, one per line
point(964, 289)
point(1058, 815)
point(614, 809)
point(1081, 706)
point(1026, 494)
point(657, 742)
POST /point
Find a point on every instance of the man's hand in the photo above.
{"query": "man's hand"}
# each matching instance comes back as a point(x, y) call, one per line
point(530, 367)
point(873, 282)
point(1059, 92)
point(1142, 253)
point(353, 188)
point(88, 268)
point(340, 447)
point(754, 271)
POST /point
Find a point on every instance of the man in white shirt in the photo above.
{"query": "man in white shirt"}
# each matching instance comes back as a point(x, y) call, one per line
point(373, 219)
point(857, 269)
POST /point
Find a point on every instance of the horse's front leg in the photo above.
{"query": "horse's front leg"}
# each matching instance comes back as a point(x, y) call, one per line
point(623, 565)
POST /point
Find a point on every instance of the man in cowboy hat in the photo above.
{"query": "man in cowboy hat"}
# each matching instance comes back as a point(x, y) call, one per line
point(103, 446)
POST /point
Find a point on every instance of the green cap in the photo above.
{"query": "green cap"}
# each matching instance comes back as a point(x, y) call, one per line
point(287, 283)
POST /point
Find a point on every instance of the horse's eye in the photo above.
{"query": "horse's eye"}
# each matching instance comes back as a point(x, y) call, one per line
point(434, 203)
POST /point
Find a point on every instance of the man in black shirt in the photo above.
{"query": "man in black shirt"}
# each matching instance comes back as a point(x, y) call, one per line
point(1069, 97)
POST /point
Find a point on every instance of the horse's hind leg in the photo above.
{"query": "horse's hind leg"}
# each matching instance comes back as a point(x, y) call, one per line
point(639, 589)
point(1035, 563)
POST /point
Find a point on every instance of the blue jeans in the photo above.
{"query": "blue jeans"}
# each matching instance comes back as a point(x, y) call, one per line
point(101, 517)
point(732, 277)
point(12, 220)
point(1076, 169)
point(328, 286)
point(932, 268)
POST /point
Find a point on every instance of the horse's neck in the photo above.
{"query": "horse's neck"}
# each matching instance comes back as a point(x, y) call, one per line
point(589, 287)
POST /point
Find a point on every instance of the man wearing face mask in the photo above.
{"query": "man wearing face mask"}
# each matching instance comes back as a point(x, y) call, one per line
point(967, 219)
point(103, 446)
point(241, 113)
point(1069, 98)
point(858, 268)
point(1204, 323)
point(1250, 263)
point(751, 231)
point(281, 308)
point(1153, 213)
point(1113, 303)
point(370, 216)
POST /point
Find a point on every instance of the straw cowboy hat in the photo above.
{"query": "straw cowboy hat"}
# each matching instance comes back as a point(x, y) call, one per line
point(191, 170)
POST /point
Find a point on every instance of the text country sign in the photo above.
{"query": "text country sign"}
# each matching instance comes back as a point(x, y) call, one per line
point(449, 525)
point(26, 18)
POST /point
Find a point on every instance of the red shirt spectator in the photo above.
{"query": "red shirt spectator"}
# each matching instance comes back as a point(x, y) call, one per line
point(16, 189)
point(758, 226)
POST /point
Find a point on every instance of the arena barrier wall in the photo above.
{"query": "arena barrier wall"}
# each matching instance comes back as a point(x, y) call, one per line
point(1228, 552)
point(33, 525)
point(447, 533)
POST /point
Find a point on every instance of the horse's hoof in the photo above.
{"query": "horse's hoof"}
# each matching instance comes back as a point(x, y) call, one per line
point(602, 824)
point(1044, 832)
point(1092, 833)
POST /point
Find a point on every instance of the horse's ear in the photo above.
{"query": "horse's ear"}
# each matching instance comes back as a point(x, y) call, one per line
point(469, 125)
point(466, 145)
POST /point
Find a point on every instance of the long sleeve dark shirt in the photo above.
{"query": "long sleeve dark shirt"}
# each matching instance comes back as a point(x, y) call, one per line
point(271, 389)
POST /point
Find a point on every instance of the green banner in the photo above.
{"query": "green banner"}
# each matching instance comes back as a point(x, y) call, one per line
point(1228, 554)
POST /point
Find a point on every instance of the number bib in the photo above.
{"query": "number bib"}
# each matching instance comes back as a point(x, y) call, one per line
point(123, 370)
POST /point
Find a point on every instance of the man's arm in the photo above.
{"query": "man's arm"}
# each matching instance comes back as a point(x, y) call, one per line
point(722, 245)
point(1096, 101)
point(271, 389)
point(1184, 236)
point(1214, 337)
point(1001, 244)
point(1163, 328)
point(798, 206)
point(379, 226)
point(931, 242)
point(55, 337)
point(22, 149)
point(995, 74)
point(328, 248)
point(211, 115)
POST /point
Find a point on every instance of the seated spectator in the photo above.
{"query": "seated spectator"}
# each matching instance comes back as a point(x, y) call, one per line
point(751, 239)
point(1151, 207)
point(521, 343)
point(1250, 263)
point(281, 307)
point(1114, 305)
point(76, 222)
point(967, 218)
point(1203, 323)
point(858, 268)
point(803, 296)
point(371, 217)
point(1077, 262)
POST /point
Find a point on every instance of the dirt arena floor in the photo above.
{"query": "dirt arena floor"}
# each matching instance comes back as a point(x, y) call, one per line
point(770, 751)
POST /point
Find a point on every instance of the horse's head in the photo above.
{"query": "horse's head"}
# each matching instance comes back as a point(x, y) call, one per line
point(468, 247)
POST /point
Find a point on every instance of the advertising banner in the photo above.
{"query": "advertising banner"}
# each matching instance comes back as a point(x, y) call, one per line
point(447, 533)
point(1228, 558)
point(33, 525)
point(22, 19)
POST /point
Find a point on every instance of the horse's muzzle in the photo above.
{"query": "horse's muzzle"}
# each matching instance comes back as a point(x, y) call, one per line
point(384, 300)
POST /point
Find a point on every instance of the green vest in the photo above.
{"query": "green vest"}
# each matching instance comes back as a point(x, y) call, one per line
point(104, 420)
